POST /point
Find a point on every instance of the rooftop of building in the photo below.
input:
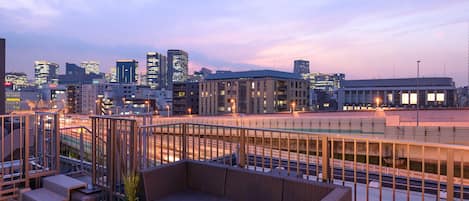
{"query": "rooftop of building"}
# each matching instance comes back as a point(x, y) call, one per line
point(399, 82)
point(252, 74)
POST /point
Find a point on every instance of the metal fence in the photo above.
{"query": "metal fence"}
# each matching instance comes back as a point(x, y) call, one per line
point(375, 168)
point(29, 149)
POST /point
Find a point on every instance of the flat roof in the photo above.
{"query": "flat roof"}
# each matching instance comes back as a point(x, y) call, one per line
point(252, 74)
point(399, 82)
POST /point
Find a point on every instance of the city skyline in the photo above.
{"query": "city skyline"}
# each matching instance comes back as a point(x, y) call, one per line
point(362, 39)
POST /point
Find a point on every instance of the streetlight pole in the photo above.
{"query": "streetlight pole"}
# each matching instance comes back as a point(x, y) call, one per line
point(418, 92)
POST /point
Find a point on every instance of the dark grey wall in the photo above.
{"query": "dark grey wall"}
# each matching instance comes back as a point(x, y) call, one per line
point(2, 76)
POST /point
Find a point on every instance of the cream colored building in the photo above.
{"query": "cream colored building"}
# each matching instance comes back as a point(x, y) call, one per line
point(252, 92)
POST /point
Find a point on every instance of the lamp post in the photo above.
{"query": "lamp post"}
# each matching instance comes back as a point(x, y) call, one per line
point(418, 93)
point(233, 106)
point(293, 104)
point(147, 103)
point(377, 100)
point(167, 107)
point(189, 110)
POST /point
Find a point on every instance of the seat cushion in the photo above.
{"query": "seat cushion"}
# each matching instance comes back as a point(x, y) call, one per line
point(164, 180)
point(193, 196)
point(206, 178)
point(243, 185)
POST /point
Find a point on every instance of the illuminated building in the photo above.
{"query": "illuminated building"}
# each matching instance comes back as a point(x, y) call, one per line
point(90, 67)
point(16, 81)
point(399, 93)
point(252, 92)
point(177, 67)
point(45, 73)
point(156, 70)
point(126, 71)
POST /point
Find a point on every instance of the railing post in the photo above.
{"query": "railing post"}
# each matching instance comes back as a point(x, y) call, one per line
point(450, 175)
point(93, 150)
point(184, 141)
point(82, 147)
point(242, 148)
point(26, 151)
point(57, 142)
point(325, 158)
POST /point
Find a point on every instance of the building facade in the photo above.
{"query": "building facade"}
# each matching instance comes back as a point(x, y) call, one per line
point(46, 73)
point(90, 67)
point(16, 81)
point(177, 66)
point(126, 71)
point(185, 98)
point(323, 90)
point(301, 67)
point(432, 92)
point(252, 92)
point(157, 75)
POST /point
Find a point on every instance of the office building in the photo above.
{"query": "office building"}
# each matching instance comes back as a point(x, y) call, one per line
point(126, 71)
point(252, 92)
point(323, 90)
point(200, 75)
point(431, 92)
point(157, 68)
point(16, 81)
point(177, 66)
point(74, 99)
point(2, 75)
point(75, 74)
point(90, 67)
point(185, 98)
point(301, 67)
point(46, 73)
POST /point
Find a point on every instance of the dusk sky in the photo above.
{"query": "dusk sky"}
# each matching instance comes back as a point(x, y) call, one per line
point(364, 39)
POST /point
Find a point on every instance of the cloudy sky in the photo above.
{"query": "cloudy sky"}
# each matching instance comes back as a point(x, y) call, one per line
point(364, 39)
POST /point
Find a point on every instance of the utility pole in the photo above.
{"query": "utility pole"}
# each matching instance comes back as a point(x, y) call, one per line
point(418, 92)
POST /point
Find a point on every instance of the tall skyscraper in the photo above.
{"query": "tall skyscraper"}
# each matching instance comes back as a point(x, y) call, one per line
point(301, 66)
point(90, 67)
point(156, 70)
point(177, 65)
point(46, 73)
point(2, 76)
point(126, 71)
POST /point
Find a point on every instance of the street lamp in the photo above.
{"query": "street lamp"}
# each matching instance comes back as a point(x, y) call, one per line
point(418, 85)
point(148, 106)
point(233, 105)
point(377, 100)
point(189, 110)
point(293, 104)
point(167, 107)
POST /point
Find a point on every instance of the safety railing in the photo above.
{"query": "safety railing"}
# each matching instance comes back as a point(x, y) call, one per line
point(29, 149)
point(375, 169)
point(391, 168)
point(75, 149)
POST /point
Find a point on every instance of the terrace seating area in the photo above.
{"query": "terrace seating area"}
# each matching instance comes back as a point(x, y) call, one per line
point(189, 180)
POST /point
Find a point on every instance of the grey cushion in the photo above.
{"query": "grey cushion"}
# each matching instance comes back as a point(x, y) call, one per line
point(206, 178)
point(193, 196)
point(244, 185)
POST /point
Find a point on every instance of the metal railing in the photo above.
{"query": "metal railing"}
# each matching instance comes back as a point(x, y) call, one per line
point(75, 149)
point(29, 149)
point(374, 168)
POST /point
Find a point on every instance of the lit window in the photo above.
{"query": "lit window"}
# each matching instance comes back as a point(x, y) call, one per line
point(390, 98)
point(222, 92)
point(405, 98)
point(413, 98)
point(253, 85)
point(181, 93)
point(440, 97)
point(431, 97)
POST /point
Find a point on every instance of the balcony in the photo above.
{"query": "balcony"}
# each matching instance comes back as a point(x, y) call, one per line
point(372, 168)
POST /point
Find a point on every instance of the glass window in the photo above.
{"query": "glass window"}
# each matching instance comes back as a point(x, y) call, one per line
point(405, 98)
point(431, 97)
point(413, 98)
point(390, 98)
point(440, 97)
